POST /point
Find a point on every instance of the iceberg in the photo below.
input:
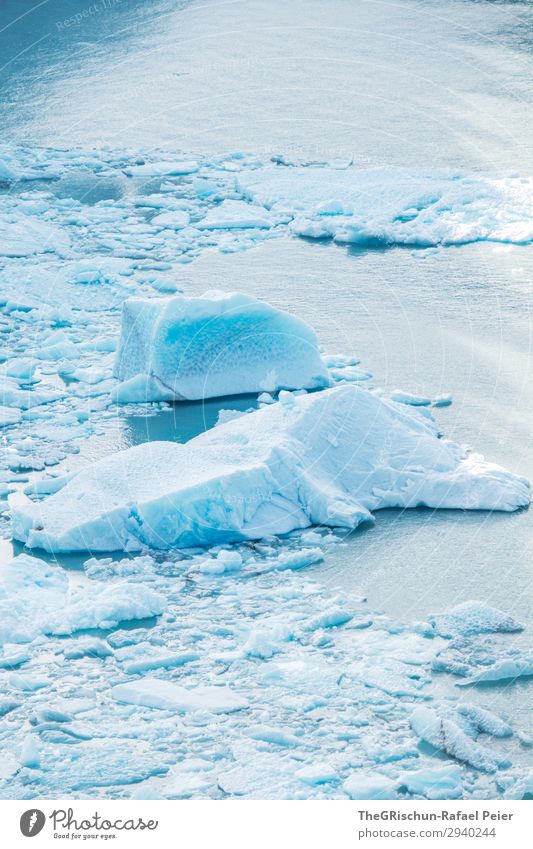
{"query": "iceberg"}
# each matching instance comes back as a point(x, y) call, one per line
point(219, 344)
point(325, 458)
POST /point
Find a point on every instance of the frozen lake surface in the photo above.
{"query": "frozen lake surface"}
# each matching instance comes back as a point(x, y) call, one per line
point(416, 85)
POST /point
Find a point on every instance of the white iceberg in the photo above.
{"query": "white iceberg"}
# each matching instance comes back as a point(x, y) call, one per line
point(218, 344)
point(391, 205)
point(324, 458)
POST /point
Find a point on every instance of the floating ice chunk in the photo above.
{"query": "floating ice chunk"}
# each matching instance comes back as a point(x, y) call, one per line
point(102, 763)
point(234, 215)
point(446, 735)
point(164, 284)
point(352, 374)
point(473, 617)
point(434, 782)
point(503, 670)
point(87, 648)
point(12, 661)
point(159, 661)
point(141, 389)
point(31, 752)
point(8, 171)
point(264, 644)
point(311, 537)
point(228, 416)
point(204, 188)
point(442, 401)
point(231, 560)
point(266, 473)
point(412, 400)
point(275, 735)
point(485, 721)
point(29, 236)
point(522, 788)
point(7, 705)
point(20, 367)
point(12, 396)
point(219, 344)
point(225, 561)
point(176, 220)
point(162, 169)
point(28, 682)
point(184, 786)
point(165, 695)
point(318, 773)
point(298, 559)
point(333, 618)
point(105, 607)
point(370, 785)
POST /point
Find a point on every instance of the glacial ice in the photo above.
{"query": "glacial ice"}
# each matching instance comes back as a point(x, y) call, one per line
point(218, 344)
point(265, 473)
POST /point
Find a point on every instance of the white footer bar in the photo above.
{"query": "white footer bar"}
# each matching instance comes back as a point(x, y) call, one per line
point(240, 824)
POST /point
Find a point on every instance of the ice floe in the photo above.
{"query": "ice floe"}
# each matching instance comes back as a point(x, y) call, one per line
point(318, 689)
point(35, 598)
point(473, 617)
point(394, 205)
point(165, 695)
point(324, 458)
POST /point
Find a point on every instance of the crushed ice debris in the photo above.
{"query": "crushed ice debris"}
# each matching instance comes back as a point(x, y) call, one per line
point(394, 205)
point(218, 344)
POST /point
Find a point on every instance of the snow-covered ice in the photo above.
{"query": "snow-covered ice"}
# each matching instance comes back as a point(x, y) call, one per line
point(394, 205)
point(219, 344)
point(268, 472)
